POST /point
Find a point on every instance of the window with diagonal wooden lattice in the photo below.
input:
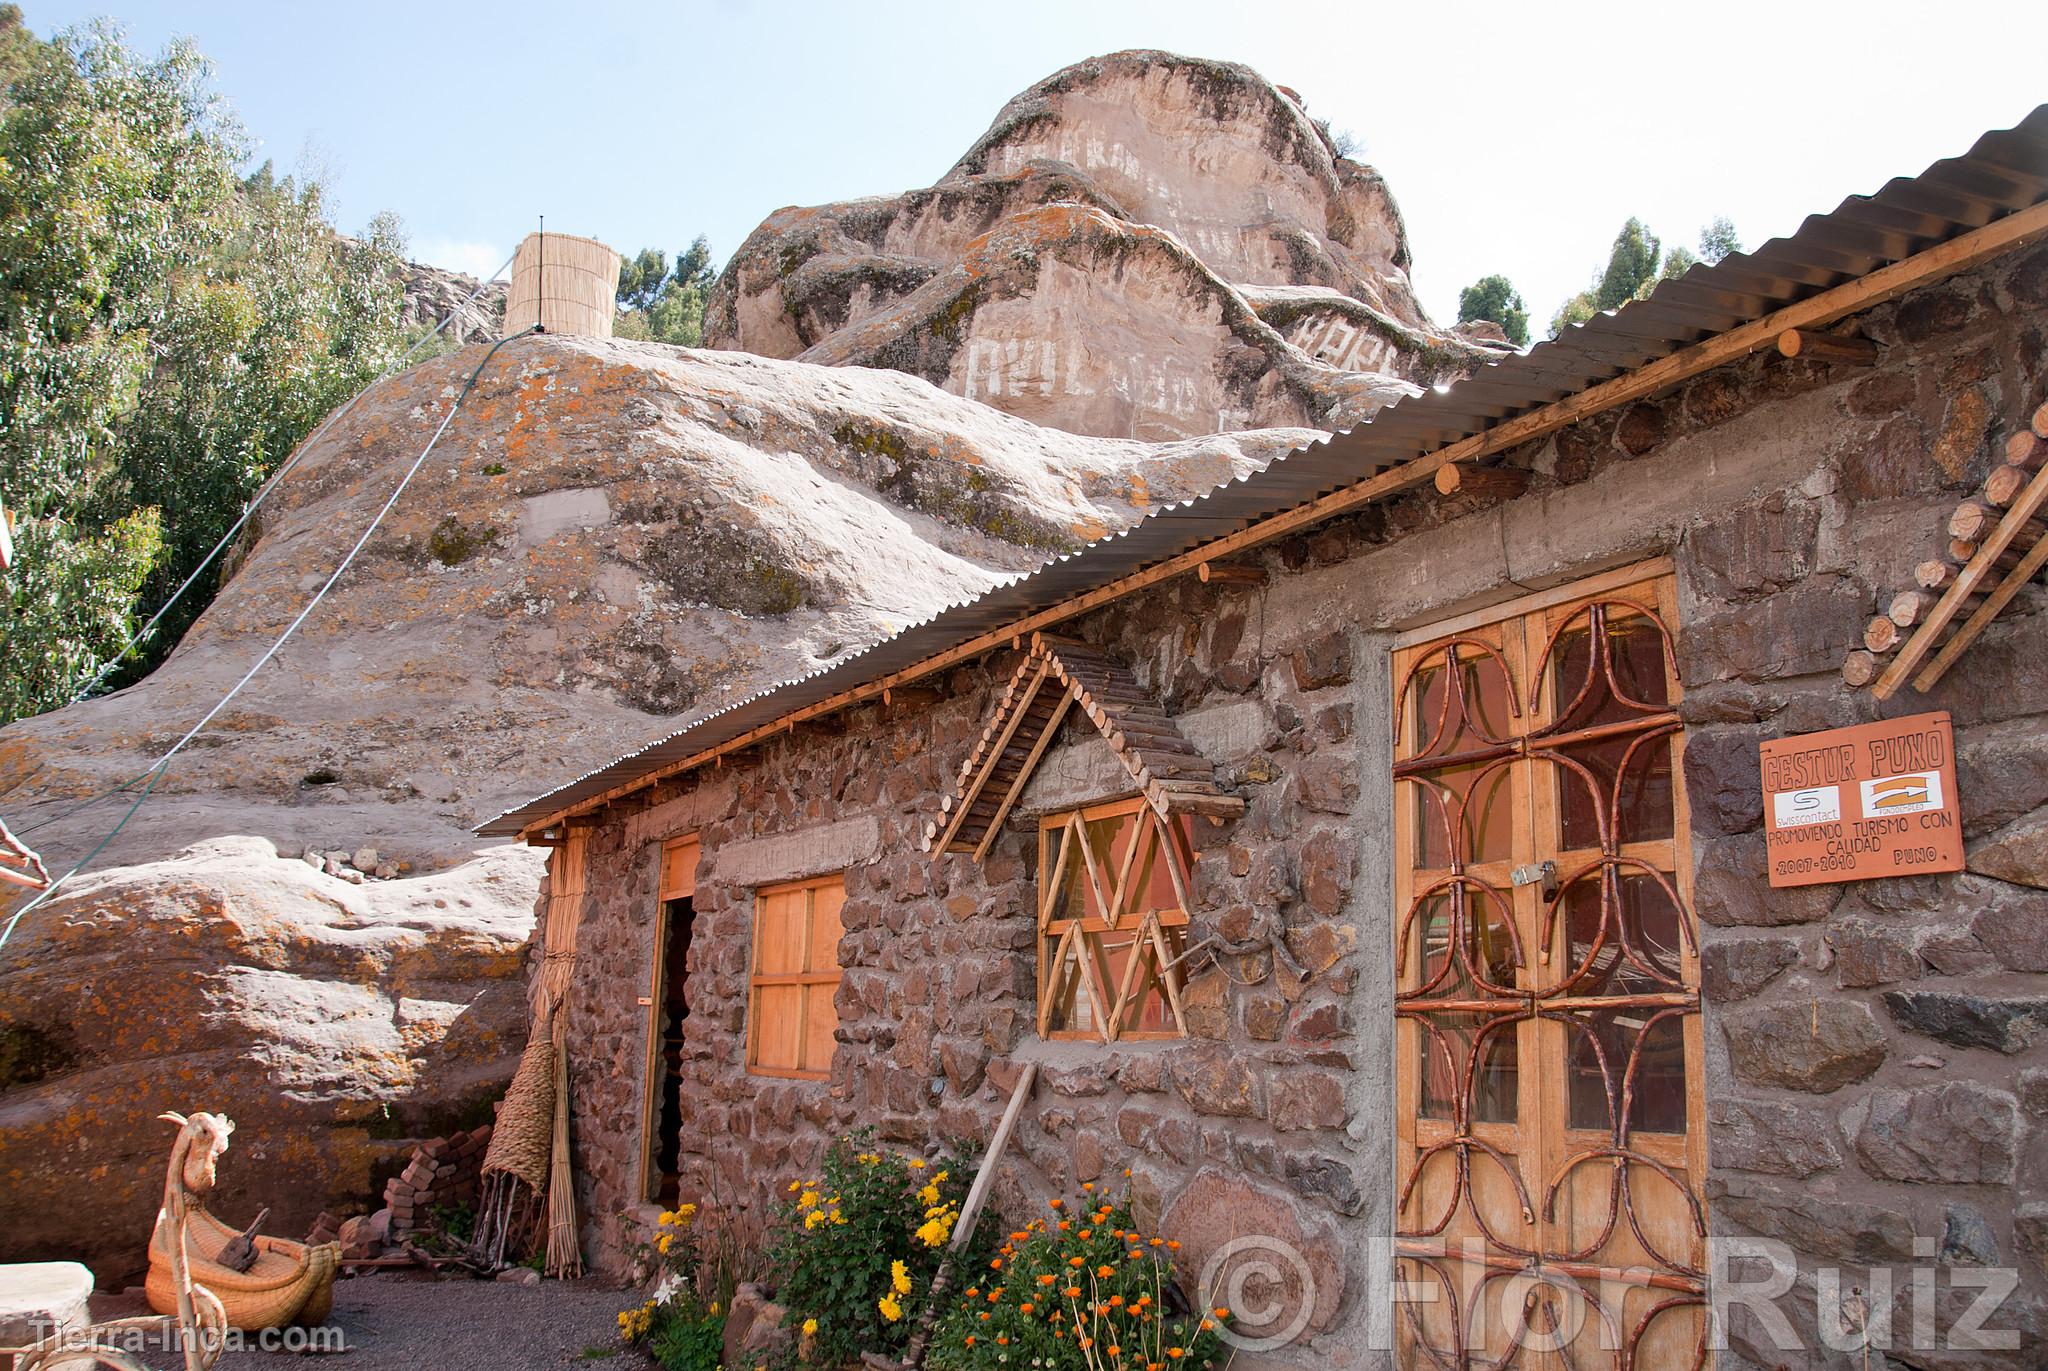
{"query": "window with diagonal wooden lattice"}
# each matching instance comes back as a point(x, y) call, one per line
point(1113, 883)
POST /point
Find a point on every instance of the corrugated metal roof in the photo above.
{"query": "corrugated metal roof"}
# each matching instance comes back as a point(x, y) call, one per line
point(2005, 171)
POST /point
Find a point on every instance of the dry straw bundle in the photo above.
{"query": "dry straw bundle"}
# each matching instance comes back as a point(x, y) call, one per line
point(515, 1169)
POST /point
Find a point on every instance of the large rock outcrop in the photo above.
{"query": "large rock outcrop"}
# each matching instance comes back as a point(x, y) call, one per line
point(1150, 275)
point(1142, 245)
point(612, 535)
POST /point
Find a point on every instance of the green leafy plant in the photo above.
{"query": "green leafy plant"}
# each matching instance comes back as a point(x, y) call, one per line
point(172, 330)
point(1081, 1288)
point(1495, 298)
point(856, 1249)
point(687, 1338)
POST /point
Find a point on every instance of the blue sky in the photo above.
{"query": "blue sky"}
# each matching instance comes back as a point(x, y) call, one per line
point(1516, 137)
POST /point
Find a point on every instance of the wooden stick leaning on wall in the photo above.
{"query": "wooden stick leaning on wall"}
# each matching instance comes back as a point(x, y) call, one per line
point(963, 1229)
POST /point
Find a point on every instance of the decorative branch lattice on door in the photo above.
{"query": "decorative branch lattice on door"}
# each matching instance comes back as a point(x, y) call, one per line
point(1551, 1130)
point(1112, 922)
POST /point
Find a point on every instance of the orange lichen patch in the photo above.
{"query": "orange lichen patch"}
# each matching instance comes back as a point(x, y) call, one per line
point(1088, 530)
point(1140, 495)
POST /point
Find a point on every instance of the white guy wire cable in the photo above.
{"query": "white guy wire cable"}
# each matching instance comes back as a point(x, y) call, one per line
point(155, 773)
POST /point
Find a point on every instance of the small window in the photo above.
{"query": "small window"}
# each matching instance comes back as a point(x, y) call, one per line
point(796, 973)
point(1112, 922)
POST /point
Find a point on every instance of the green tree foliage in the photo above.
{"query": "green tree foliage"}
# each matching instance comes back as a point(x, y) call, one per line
point(664, 304)
point(1495, 298)
point(168, 332)
point(1630, 263)
point(1718, 239)
point(1635, 264)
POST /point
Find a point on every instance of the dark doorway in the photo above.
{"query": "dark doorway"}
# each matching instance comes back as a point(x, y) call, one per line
point(667, 1019)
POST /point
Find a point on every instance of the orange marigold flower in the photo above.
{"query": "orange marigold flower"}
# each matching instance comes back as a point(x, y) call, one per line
point(1089, 1186)
point(1155, 1242)
point(1114, 1350)
point(1054, 1203)
point(970, 1339)
point(1077, 1261)
point(995, 1263)
point(1176, 1353)
point(1047, 1280)
point(1221, 1312)
point(1073, 1292)
point(1105, 1271)
point(1025, 1307)
point(1065, 1225)
point(1085, 1234)
point(1003, 1339)
point(1208, 1324)
point(1116, 1300)
point(984, 1316)
point(1172, 1245)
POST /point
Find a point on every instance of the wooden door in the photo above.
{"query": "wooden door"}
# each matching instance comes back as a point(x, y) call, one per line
point(1551, 1134)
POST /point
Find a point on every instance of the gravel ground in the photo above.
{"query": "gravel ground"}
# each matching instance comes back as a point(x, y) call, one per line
point(411, 1322)
point(395, 1322)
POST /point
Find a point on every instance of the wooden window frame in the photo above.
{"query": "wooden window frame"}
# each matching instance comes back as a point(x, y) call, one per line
point(667, 888)
point(757, 979)
point(1053, 932)
point(1542, 1132)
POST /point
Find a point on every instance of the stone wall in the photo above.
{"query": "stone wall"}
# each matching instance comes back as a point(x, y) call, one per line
point(1871, 1064)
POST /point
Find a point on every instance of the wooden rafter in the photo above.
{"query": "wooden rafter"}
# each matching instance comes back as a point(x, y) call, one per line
point(2006, 234)
point(1055, 677)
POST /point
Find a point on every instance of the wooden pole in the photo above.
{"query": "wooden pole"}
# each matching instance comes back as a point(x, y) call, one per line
point(2004, 485)
point(1859, 669)
point(1975, 519)
point(2026, 450)
point(1881, 635)
point(1209, 572)
point(1481, 483)
point(1908, 606)
point(1827, 347)
point(963, 1227)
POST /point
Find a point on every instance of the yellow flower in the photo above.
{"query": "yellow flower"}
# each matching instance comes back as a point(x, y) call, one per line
point(665, 1220)
point(915, 1163)
point(795, 1186)
point(891, 1310)
point(943, 1175)
point(934, 1232)
point(807, 1200)
point(664, 1242)
point(815, 1218)
point(930, 1194)
point(899, 1277)
point(810, 1328)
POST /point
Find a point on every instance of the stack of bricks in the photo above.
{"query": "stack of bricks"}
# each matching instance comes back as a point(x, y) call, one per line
point(441, 1173)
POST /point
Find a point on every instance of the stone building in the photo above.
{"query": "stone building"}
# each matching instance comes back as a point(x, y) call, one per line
point(1372, 853)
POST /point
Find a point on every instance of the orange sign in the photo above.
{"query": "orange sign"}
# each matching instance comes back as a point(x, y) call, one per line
point(1853, 804)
